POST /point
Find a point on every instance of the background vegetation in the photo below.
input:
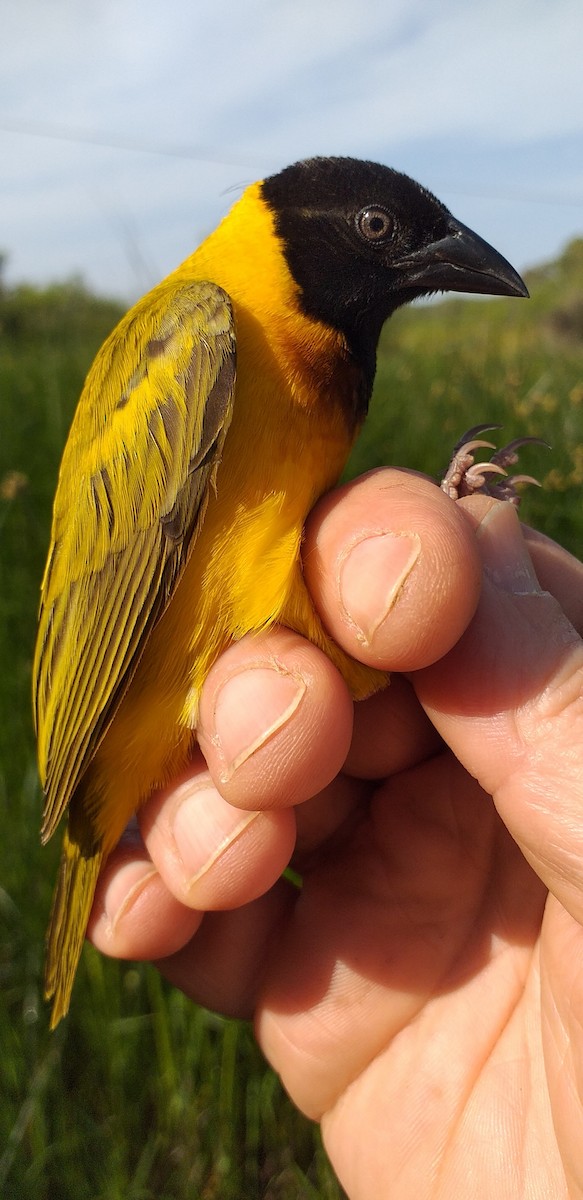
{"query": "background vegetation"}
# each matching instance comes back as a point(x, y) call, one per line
point(139, 1094)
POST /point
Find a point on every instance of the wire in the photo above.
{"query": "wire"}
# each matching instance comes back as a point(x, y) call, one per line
point(111, 141)
point(200, 154)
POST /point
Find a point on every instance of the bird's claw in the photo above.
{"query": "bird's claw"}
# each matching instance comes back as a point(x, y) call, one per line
point(466, 477)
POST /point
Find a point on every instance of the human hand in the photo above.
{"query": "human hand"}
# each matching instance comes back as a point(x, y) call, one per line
point(422, 995)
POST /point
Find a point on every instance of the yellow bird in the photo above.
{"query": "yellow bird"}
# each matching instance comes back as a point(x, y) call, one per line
point(214, 416)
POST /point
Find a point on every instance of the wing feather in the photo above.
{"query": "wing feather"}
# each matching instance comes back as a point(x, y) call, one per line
point(142, 454)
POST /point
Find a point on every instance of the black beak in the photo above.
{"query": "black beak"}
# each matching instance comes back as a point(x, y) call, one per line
point(462, 262)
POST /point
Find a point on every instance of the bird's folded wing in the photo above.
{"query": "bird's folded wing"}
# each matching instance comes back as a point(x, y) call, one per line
point(133, 487)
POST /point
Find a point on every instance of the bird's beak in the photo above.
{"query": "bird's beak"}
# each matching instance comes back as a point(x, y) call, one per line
point(462, 262)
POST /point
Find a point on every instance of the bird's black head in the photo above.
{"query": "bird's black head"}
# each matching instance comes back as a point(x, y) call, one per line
point(361, 240)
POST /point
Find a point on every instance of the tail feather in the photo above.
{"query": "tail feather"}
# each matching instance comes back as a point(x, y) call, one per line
point(79, 869)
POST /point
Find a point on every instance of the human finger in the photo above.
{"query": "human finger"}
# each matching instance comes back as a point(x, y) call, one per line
point(192, 853)
point(507, 700)
point(393, 569)
point(223, 966)
point(275, 721)
point(134, 915)
point(559, 573)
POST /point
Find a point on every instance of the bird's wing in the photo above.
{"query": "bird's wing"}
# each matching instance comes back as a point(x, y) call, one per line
point(133, 488)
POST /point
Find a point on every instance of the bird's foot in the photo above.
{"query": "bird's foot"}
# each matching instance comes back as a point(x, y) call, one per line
point(466, 477)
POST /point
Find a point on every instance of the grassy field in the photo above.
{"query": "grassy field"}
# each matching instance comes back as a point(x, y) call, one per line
point(139, 1094)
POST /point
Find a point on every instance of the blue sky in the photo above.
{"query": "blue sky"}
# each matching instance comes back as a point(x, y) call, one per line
point(128, 127)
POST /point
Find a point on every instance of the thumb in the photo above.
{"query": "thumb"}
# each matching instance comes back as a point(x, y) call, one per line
point(508, 700)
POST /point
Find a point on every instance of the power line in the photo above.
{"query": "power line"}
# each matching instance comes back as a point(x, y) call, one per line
point(201, 154)
point(111, 141)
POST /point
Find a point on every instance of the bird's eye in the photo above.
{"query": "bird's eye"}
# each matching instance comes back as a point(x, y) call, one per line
point(374, 223)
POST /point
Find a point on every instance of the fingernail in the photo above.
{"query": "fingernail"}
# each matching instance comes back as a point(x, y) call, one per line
point(504, 552)
point(251, 706)
point(371, 577)
point(126, 887)
point(203, 827)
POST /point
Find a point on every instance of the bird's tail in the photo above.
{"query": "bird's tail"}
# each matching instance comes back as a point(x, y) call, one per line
point(81, 859)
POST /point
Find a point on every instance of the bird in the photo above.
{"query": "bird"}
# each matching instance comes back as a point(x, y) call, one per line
point(218, 411)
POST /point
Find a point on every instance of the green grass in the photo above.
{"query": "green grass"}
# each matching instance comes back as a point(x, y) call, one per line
point(140, 1094)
